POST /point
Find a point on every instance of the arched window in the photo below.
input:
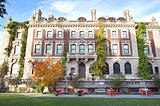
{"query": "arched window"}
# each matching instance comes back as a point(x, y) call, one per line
point(106, 71)
point(150, 68)
point(127, 67)
point(14, 69)
point(116, 68)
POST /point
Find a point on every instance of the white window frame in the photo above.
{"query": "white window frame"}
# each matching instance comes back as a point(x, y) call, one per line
point(70, 48)
point(82, 49)
point(116, 33)
point(38, 34)
point(145, 33)
point(58, 34)
point(91, 49)
point(17, 49)
point(50, 33)
point(118, 51)
point(123, 51)
point(19, 35)
point(71, 35)
point(57, 48)
point(81, 33)
point(45, 52)
point(39, 50)
point(90, 34)
point(122, 34)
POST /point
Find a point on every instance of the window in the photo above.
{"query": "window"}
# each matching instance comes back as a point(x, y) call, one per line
point(124, 34)
point(49, 34)
point(156, 70)
point(72, 70)
point(73, 33)
point(114, 34)
point(39, 34)
point(150, 68)
point(104, 33)
point(90, 48)
point(146, 50)
point(116, 68)
point(115, 49)
point(16, 49)
point(125, 49)
point(107, 69)
point(90, 34)
point(144, 35)
point(81, 34)
point(14, 69)
point(48, 49)
point(127, 67)
point(59, 35)
point(81, 48)
point(59, 49)
point(19, 35)
point(73, 48)
point(37, 49)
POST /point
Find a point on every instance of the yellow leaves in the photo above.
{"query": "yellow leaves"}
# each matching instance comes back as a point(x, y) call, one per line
point(48, 71)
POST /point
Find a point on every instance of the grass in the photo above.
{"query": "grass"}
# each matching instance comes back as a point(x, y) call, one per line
point(20, 100)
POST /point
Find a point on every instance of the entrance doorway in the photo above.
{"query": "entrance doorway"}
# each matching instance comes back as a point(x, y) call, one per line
point(82, 70)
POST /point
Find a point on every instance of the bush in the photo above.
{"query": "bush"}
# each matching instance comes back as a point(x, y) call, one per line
point(40, 88)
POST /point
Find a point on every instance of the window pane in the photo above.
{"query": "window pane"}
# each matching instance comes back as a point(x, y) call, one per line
point(59, 49)
point(19, 35)
point(17, 49)
point(48, 49)
point(90, 48)
point(115, 48)
point(90, 34)
point(59, 34)
point(146, 50)
point(73, 48)
point(81, 34)
point(144, 35)
point(125, 49)
point(49, 34)
point(81, 48)
point(128, 68)
point(73, 33)
point(124, 34)
point(39, 34)
point(116, 68)
point(114, 35)
point(37, 49)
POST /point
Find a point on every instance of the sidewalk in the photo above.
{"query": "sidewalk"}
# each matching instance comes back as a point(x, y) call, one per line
point(89, 95)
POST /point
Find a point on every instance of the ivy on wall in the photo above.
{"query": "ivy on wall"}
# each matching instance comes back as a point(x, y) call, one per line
point(143, 68)
point(13, 26)
point(99, 65)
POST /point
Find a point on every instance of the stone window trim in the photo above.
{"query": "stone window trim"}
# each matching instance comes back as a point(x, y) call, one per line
point(90, 34)
point(114, 49)
point(38, 34)
point(60, 34)
point(49, 34)
point(114, 33)
point(57, 49)
point(19, 35)
point(129, 49)
point(73, 34)
point(124, 34)
point(73, 50)
point(34, 48)
point(45, 49)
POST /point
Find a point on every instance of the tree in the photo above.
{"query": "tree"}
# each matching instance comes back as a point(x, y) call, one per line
point(116, 80)
point(2, 8)
point(47, 72)
point(3, 72)
point(143, 68)
point(99, 65)
point(157, 80)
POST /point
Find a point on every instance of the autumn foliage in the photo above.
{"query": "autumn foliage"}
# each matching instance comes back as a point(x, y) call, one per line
point(47, 72)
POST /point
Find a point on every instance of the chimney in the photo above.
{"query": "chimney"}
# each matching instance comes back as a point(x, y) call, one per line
point(38, 14)
point(93, 14)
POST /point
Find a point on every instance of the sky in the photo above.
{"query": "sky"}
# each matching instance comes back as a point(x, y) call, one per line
point(22, 10)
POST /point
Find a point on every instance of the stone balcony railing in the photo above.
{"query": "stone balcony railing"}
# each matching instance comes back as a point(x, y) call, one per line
point(81, 55)
point(100, 84)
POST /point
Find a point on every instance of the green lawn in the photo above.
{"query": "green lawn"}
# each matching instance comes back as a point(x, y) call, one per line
point(20, 100)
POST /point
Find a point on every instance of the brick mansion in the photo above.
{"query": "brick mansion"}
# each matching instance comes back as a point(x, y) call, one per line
point(48, 36)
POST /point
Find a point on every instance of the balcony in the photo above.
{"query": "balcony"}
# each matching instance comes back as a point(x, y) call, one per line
point(81, 55)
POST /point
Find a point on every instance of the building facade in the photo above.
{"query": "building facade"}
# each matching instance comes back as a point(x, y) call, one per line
point(51, 36)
